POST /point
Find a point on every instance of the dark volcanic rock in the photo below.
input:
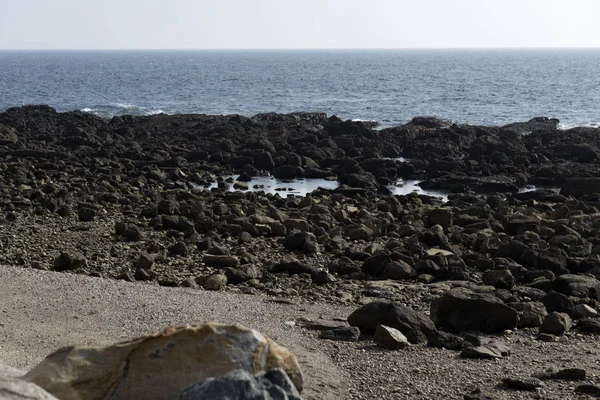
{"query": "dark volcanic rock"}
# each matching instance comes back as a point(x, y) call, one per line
point(68, 261)
point(463, 310)
point(397, 316)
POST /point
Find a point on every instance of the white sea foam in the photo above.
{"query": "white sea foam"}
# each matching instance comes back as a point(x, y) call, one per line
point(565, 125)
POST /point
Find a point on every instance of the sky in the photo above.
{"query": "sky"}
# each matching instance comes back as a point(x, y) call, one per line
point(297, 24)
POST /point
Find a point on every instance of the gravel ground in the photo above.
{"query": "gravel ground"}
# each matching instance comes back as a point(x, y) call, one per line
point(41, 311)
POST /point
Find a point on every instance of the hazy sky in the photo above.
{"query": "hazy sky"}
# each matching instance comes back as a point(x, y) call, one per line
point(258, 24)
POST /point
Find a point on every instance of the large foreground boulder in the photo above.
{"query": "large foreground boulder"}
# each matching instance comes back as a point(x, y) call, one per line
point(463, 310)
point(161, 365)
point(413, 325)
point(13, 388)
point(241, 385)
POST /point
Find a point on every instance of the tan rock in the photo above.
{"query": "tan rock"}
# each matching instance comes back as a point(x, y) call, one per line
point(13, 388)
point(161, 365)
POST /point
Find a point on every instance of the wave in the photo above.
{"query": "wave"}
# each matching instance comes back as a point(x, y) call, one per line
point(115, 109)
point(570, 125)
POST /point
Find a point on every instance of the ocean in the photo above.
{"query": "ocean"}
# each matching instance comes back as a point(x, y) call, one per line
point(491, 87)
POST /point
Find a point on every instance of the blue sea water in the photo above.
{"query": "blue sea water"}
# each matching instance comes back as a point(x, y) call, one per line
point(389, 86)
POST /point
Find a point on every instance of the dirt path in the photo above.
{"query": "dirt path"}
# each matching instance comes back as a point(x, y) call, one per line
point(42, 311)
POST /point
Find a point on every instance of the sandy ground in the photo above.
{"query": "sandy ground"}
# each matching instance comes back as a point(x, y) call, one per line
point(42, 311)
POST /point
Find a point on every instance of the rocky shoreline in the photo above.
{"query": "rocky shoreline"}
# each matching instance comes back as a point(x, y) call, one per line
point(124, 198)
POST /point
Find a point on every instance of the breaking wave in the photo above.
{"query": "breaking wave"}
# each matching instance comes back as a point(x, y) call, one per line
point(111, 110)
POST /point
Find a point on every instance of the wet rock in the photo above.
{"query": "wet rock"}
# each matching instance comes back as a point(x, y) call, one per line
point(556, 324)
point(162, 365)
point(390, 338)
point(396, 316)
point(242, 385)
point(241, 186)
point(463, 310)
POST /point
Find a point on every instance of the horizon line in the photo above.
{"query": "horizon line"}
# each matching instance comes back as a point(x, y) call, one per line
point(308, 49)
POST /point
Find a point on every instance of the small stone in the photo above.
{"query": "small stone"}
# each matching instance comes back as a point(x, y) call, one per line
point(245, 237)
point(204, 244)
point(390, 338)
point(86, 214)
point(179, 249)
point(215, 282)
point(522, 383)
point(323, 278)
point(145, 261)
point(342, 333)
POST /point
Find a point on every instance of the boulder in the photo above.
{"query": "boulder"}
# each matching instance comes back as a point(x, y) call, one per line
point(463, 310)
point(14, 388)
point(242, 385)
point(215, 282)
point(399, 270)
point(556, 324)
point(397, 316)
point(578, 286)
point(584, 311)
point(499, 278)
point(534, 314)
point(579, 186)
point(68, 261)
point(162, 365)
point(390, 338)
